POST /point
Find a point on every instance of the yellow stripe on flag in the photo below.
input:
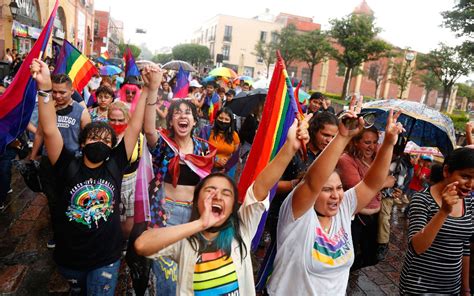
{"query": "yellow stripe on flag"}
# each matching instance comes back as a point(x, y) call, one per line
point(77, 66)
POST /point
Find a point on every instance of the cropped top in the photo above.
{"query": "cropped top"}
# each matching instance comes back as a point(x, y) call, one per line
point(186, 176)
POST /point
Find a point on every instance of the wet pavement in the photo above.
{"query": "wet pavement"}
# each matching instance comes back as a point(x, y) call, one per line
point(26, 266)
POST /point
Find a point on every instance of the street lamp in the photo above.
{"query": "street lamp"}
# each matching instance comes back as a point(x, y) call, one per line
point(409, 57)
point(14, 8)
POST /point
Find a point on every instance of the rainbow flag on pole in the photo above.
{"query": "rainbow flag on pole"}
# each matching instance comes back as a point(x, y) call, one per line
point(18, 101)
point(76, 65)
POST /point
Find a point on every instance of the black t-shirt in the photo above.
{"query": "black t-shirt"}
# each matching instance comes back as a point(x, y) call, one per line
point(86, 215)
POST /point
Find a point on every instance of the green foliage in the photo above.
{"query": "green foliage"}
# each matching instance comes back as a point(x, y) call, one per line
point(460, 20)
point(288, 44)
point(448, 64)
point(428, 81)
point(266, 52)
point(357, 36)
point(314, 47)
point(133, 48)
point(459, 120)
point(401, 76)
point(162, 58)
point(465, 91)
point(193, 53)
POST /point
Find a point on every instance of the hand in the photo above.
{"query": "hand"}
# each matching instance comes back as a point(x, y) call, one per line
point(389, 182)
point(397, 192)
point(354, 125)
point(449, 197)
point(152, 76)
point(469, 127)
point(298, 133)
point(220, 162)
point(393, 128)
point(40, 72)
point(208, 218)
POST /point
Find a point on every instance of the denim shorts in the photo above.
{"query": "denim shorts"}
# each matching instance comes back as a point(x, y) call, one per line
point(100, 281)
point(165, 269)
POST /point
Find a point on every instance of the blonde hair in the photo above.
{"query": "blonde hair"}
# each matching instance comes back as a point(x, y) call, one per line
point(121, 107)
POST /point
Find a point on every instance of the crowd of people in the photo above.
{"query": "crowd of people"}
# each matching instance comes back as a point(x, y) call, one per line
point(330, 213)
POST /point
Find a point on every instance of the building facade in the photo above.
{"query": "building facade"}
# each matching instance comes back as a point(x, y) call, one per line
point(108, 34)
point(19, 29)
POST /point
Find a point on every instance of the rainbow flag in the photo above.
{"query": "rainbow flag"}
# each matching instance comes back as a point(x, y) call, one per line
point(76, 65)
point(182, 84)
point(214, 106)
point(105, 55)
point(18, 101)
point(131, 68)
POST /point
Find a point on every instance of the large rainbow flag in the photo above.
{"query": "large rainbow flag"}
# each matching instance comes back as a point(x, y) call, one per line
point(18, 101)
point(76, 65)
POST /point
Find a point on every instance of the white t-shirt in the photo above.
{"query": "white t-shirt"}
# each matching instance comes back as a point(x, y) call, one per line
point(309, 261)
point(192, 267)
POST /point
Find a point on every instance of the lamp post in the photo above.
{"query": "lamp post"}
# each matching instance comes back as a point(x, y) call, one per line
point(14, 8)
point(409, 57)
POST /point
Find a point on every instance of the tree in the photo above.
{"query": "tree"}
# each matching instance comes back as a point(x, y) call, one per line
point(266, 53)
point(314, 47)
point(402, 73)
point(193, 53)
point(288, 44)
point(465, 91)
point(377, 72)
point(429, 82)
point(133, 48)
point(356, 34)
point(448, 64)
point(162, 58)
point(460, 20)
point(146, 53)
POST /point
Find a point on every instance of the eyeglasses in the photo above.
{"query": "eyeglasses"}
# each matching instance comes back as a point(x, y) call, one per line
point(130, 92)
point(351, 123)
point(179, 112)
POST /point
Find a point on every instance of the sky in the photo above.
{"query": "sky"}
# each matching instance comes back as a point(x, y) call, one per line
point(411, 24)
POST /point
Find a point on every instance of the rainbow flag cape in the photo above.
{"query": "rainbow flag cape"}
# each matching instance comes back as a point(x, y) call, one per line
point(182, 84)
point(76, 65)
point(18, 101)
point(131, 68)
point(214, 106)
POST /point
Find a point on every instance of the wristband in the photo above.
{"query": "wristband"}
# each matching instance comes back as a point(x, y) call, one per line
point(47, 91)
point(45, 95)
point(151, 104)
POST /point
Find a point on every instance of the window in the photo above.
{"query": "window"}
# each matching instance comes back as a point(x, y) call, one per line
point(292, 71)
point(260, 60)
point(274, 37)
point(263, 36)
point(305, 76)
point(211, 49)
point(226, 52)
point(228, 33)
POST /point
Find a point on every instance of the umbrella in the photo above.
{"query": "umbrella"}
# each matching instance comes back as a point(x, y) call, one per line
point(174, 65)
point(261, 83)
point(412, 148)
point(142, 63)
point(208, 79)
point(224, 72)
point(247, 79)
point(425, 126)
point(303, 96)
point(244, 102)
point(109, 70)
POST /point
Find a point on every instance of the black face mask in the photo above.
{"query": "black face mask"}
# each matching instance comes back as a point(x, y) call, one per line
point(222, 125)
point(96, 152)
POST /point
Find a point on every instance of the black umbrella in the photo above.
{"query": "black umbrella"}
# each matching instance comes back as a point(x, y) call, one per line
point(245, 102)
point(174, 65)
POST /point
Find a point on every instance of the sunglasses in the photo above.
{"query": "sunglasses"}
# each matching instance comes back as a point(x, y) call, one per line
point(130, 92)
point(352, 123)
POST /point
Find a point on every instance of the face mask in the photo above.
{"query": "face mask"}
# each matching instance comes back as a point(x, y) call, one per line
point(118, 128)
point(222, 125)
point(96, 152)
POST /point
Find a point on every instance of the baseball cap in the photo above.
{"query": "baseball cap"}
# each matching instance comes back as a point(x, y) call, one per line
point(195, 83)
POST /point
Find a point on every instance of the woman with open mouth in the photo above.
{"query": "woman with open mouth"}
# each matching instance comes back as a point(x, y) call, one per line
point(213, 248)
point(314, 241)
point(437, 259)
point(180, 161)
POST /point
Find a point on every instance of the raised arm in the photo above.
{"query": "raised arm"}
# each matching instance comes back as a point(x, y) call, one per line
point(152, 78)
point(270, 175)
point(149, 124)
point(47, 113)
point(377, 174)
point(307, 191)
point(469, 140)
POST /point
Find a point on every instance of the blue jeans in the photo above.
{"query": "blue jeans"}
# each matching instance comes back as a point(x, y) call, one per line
point(6, 172)
point(100, 281)
point(165, 269)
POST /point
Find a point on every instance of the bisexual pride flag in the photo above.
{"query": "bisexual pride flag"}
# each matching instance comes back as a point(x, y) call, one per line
point(131, 68)
point(18, 101)
point(182, 84)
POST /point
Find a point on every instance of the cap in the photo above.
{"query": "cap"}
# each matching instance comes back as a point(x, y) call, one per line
point(427, 157)
point(195, 83)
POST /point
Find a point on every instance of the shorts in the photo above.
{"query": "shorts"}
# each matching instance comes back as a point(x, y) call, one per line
point(127, 196)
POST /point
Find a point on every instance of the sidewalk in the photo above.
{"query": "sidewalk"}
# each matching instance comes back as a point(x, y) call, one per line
point(27, 268)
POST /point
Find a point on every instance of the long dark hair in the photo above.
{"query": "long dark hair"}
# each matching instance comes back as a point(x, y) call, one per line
point(229, 132)
point(229, 231)
point(175, 105)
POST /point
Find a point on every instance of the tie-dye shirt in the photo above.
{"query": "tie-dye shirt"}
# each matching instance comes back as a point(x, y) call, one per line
point(229, 276)
point(310, 261)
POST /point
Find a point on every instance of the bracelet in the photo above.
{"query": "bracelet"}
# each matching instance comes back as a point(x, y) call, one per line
point(44, 95)
point(47, 91)
point(151, 104)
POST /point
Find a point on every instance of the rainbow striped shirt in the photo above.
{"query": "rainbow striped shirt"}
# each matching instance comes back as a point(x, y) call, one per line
point(214, 274)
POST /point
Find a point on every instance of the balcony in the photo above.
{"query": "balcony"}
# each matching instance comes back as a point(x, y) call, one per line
point(211, 38)
point(227, 38)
